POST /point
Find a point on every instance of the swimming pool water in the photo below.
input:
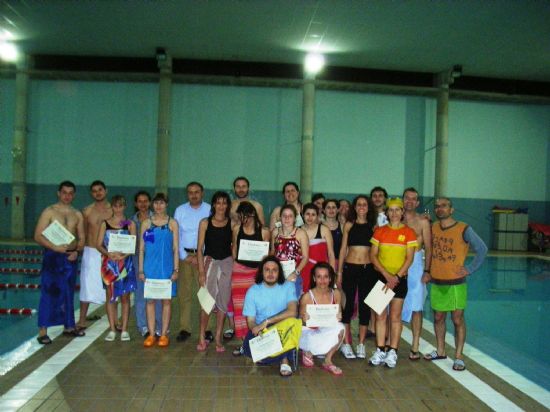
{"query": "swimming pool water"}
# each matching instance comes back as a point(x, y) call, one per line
point(16, 329)
point(508, 314)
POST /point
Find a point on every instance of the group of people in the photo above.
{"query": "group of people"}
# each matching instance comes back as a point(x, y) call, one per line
point(327, 252)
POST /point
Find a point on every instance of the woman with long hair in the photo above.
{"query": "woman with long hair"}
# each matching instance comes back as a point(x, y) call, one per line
point(320, 242)
point(355, 270)
point(215, 263)
point(244, 271)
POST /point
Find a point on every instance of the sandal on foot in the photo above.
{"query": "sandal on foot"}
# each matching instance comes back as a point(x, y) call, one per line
point(285, 370)
point(201, 347)
point(228, 334)
point(459, 365)
point(74, 332)
point(220, 349)
point(335, 370)
point(307, 361)
point(44, 340)
point(433, 355)
point(239, 351)
point(414, 355)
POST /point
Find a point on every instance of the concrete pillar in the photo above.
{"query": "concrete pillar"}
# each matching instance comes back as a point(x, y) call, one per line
point(308, 118)
point(163, 131)
point(442, 141)
point(19, 151)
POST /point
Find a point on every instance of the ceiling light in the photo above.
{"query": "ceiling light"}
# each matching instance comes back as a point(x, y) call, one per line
point(314, 63)
point(6, 35)
point(8, 51)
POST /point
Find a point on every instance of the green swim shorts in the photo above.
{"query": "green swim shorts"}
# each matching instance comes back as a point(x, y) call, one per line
point(446, 298)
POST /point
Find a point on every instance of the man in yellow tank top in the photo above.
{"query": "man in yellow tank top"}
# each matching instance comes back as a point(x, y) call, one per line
point(451, 241)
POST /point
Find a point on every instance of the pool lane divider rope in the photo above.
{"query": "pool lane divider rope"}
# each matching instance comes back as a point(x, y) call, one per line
point(21, 251)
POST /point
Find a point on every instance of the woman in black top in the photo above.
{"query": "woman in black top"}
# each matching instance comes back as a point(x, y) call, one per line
point(215, 265)
point(355, 270)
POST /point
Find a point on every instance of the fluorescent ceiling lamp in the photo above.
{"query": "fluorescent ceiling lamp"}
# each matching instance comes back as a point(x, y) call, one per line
point(8, 52)
point(314, 63)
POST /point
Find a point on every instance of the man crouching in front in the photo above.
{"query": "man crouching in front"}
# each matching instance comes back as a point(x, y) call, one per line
point(270, 301)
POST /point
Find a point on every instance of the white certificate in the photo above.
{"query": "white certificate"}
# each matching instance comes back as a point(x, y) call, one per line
point(379, 299)
point(265, 345)
point(322, 315)
point(157, 289)
point(252, 250)
point(122, 243)
point(58, 234)
point(289, 266)
point(206, 300)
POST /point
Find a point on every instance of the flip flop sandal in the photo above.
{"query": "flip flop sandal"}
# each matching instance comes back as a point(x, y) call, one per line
point(238, 351)
point(201, 347)
point(44, 340)
point(459, 365)
point(228, 334)
point(414, 356)
point(433, 355)
point(307, 361)
point(220, 349)
point(285, 370)
point(335, 370)
point(75, 333)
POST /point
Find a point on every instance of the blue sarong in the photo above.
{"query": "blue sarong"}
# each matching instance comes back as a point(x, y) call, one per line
point(57, 282)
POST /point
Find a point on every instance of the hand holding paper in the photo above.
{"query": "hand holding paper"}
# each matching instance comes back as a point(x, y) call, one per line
point(379, 297)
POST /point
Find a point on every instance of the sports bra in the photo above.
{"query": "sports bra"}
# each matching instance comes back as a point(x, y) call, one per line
point(360, 234)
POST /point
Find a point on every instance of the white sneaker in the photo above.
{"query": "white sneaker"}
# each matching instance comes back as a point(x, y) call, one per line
point(110, 336)
point(391, 359)
point(347, 351)
point(124, 336)
point(360, 351)
point(377, 357)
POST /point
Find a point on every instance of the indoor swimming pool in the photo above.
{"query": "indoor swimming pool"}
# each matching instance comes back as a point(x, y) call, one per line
point(19, 278)
point(508, 314)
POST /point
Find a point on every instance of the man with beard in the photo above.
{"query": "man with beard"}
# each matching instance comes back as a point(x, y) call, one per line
point(378, 195)
point(241, 187)
point(91, 284)
point(451, 241)
point(268, 302)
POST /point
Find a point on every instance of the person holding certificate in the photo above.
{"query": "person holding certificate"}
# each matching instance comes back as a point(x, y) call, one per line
point(355, 271)
point(392, 252)
point(58, 272)
point(320, 242)
point(158, 259)
point(244, 270)
point(117, 267)
point(215, 261)
point(291, 246)
point(271, 302)
point(325, 340)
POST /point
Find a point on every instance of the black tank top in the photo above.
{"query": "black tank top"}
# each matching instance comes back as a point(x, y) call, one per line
point(217, 241)
point(109, 227)
point(337, 239)
point(360, 234)
point(254, 236)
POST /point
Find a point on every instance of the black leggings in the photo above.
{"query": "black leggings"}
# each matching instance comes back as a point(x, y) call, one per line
point(357, 277)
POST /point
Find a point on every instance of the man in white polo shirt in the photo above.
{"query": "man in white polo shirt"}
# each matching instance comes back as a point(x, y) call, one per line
point(188, 217)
